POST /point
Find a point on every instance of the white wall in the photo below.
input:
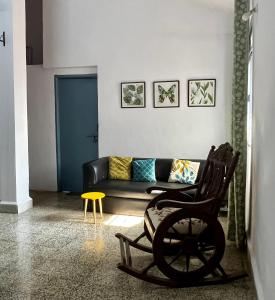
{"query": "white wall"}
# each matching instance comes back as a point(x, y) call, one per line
point(7, 142)
point(42, 134)
point(262, 239)
point(147, 40)
point(14, 174)
point(20, 100)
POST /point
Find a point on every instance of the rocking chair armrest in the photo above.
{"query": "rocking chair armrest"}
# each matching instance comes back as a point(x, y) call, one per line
point(164, 189)
point(179, 204)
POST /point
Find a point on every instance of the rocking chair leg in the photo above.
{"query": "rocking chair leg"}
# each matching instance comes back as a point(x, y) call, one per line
point(139, 237)
point(203, 259)
point(136, 245)
point(128, 253)
point(123, 258)
point(220, 268)
point(126, 266)
point(151, 265)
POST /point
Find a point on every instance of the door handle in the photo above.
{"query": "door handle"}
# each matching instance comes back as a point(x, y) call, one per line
point(94, 137)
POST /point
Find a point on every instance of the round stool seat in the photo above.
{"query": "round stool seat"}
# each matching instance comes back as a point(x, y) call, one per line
point(93, 195)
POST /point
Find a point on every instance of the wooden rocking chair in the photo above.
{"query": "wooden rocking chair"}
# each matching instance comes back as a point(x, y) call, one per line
point(187, 241)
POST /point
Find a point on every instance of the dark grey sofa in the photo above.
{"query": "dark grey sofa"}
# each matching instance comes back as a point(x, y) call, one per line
point(127, 197)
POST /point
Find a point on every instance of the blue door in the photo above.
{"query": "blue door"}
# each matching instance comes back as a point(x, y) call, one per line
point(77, 128)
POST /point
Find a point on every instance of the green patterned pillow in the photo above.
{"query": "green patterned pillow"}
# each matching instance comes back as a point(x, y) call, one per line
point(184, 171)
point(120, 167)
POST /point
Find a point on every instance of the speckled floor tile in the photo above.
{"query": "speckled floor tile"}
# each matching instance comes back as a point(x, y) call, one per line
point(5, 260)
point(8, 219)
point(24, 281)
point(13, 295)
point(51, 252)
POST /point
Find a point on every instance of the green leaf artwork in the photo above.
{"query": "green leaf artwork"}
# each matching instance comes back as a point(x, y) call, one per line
point(131, 87)
point(133, 94)
point(140, 89)
point(202, 92)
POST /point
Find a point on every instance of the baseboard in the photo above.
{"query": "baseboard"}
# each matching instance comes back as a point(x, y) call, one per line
point(14, 207)
point(255, 274)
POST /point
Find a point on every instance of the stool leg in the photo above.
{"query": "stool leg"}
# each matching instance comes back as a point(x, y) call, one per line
point(100, 208)
point(94, 210)
point(85, 208)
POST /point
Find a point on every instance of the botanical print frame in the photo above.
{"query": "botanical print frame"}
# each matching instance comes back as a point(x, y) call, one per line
point(202, 92)
point(133, 94)
point(166, 93)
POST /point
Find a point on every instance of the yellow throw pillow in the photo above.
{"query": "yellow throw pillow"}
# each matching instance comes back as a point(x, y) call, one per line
point(120, 167)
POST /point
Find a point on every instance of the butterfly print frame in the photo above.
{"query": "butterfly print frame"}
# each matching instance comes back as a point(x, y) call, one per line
point(166, 93)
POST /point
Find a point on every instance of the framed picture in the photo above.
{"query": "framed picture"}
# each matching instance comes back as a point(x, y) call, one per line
point(202, 92)
point(133, 94)
point(166, 93)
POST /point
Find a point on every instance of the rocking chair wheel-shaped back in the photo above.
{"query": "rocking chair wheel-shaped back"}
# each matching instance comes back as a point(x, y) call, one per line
point(186, 239)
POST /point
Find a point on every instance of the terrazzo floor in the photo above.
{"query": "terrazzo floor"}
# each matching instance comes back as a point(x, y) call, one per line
point(50, 252)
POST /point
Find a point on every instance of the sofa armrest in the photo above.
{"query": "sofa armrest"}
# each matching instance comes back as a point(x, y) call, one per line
point(94, 171)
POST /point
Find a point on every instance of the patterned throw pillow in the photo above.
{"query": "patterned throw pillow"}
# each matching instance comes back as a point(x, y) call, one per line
point(184, 171)
point(144, 170)
point(120, 168)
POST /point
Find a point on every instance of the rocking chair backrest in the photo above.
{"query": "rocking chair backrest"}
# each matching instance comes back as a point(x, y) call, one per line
point(217, 173)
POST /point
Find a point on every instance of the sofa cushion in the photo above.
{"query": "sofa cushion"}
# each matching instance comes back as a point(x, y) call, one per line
point(184, 171)
point(176, 173)
point(120, 167)
point(185, 226)
point(135, 190)
point(190, 172)
point(163, 168)
point(144, 170)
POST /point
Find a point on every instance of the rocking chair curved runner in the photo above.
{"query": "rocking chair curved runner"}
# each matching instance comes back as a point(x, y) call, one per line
point(186, 239)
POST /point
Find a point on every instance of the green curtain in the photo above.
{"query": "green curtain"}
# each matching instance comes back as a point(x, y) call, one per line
point(236, 215)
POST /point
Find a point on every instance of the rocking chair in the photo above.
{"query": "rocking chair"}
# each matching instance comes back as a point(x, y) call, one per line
point(186, 239)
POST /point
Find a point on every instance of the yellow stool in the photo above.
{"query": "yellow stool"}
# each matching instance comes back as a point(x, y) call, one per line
point(93, 196)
